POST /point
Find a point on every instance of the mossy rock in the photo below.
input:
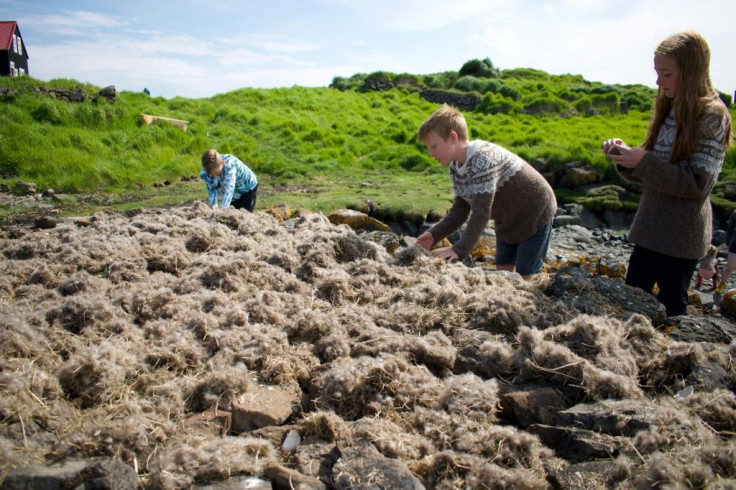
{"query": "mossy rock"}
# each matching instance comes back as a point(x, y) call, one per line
point(601, 203)
point(613, 191)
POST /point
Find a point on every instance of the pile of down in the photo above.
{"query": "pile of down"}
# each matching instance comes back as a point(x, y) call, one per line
point(199, 347)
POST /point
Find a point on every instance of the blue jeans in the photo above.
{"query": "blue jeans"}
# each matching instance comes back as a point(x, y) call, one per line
point(528, 256)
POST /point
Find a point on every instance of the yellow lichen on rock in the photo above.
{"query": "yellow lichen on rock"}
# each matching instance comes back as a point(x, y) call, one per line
point(356, 220)
point(604, 266)
point(281, 212)
point(728, 303)
point(693, 298)
point(299, 212)
point(582, 176)
point(485, 250)
point(444, 243)
point(611, 267)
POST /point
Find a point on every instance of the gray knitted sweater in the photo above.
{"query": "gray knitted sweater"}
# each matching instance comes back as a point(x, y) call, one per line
point(495, 183)
point(674, 216)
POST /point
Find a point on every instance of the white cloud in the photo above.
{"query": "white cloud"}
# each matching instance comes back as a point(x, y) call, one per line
point(157, 65)
point(273, 42)
point(159, 44)
point(608, 42)
point(75, 21)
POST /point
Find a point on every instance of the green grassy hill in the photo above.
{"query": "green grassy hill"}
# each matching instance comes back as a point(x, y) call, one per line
point(320, 148)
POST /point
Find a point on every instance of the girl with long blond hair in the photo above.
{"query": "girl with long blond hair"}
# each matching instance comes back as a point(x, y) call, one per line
point(677, 166)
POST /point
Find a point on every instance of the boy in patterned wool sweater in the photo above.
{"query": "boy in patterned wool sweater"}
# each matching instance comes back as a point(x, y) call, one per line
point(489, 182)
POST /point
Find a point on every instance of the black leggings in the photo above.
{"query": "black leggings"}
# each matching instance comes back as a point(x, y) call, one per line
point(671, 274)
point(247, 201)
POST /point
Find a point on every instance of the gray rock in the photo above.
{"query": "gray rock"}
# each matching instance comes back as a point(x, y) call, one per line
point(688, 328)
point(362, 466)
point(405, 227)
point(612, 417)
point(581, 234)
point(532, 405)
point(316, 458)
point(263, 406)
point(705, 299)
point(591, 474)
point(565, 220)
point(25, 188)
point(350, 248)
point(590, 220)
point(719, 237)
point(577, 445)
point(77, 95)
point(109, 91)
point(572, 208)
point(45, 222)
point(617, 219)
point(283, 477)
point(594, 295)
point(104, 473)
point(710, 376)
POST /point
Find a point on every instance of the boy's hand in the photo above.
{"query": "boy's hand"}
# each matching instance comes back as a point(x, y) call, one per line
point(446, 253)
point(425, 240)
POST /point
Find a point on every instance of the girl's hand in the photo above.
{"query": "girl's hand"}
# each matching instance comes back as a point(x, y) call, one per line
point(425, 240)
point(627, 157)
point(613, 146)
point(446, 253)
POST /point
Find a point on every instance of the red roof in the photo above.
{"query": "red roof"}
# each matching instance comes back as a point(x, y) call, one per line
point(7, 29)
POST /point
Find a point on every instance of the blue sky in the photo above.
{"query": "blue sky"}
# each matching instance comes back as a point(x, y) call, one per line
point(198, 48)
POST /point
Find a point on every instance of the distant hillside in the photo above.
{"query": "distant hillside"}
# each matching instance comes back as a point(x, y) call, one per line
point(522, 90)
point(321, 147)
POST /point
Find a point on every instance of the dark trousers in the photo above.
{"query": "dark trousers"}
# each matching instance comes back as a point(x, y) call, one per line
point(246, 201)
point(671, 274)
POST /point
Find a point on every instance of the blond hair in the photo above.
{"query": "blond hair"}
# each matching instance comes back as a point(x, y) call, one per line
point(442, 122)
point(712, 251)
point(211, 160)
point(695, 93)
